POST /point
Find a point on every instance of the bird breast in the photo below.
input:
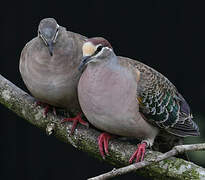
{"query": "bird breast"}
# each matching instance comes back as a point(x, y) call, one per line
point(108, 99)
point(49, 78)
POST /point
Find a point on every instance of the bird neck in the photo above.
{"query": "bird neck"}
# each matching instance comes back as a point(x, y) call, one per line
point(113, 63)
point(110, 61)
point(110, 66)
point(62, 34)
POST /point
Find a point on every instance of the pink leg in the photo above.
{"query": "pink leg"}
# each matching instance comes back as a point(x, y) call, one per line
point(76, 120)
point(103, 140)
point(54, 111)
point(46, 108)
point(140, 152)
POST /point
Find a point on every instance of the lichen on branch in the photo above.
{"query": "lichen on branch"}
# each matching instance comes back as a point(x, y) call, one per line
point(85, 139)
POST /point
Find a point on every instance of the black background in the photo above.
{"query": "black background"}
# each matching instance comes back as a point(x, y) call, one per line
point(167, 35)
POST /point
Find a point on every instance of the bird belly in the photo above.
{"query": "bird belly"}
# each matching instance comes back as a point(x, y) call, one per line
point(109, 103)
point(52, 87)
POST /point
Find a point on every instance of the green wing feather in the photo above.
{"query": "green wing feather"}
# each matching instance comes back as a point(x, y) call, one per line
point(162, 105)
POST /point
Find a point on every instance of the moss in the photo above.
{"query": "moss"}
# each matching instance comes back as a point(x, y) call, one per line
point(83, 139)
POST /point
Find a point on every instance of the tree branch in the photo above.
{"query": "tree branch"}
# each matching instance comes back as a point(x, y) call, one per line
point(24, 106)
point(175, 151)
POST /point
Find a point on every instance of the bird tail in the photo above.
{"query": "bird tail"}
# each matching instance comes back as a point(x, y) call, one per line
point(185, 127)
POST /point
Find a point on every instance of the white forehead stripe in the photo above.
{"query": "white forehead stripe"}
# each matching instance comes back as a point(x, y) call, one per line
point(88, 49)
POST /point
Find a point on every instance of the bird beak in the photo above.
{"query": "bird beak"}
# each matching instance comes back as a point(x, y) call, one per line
point(50, 48)
point(84, 61)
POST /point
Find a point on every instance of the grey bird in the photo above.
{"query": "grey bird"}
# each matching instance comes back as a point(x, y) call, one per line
point(49, 66)
point(125, 97)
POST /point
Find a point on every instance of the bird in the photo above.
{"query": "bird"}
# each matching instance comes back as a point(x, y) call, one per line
point(125, 97)
point(49, 67)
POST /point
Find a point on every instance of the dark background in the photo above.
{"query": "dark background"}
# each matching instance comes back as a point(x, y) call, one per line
point(167, 35)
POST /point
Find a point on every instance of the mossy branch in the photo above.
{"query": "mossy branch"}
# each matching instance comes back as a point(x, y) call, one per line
point(85, 139)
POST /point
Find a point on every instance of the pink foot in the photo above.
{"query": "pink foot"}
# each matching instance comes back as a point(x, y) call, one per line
point(75, 120)
point(46, 108)
point(103, 140)
point(140, 152)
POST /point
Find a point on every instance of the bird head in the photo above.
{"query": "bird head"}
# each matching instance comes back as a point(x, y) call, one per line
point(48, 32)
point(95, 50)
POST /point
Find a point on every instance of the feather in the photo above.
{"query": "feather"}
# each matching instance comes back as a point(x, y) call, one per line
point(162, 105)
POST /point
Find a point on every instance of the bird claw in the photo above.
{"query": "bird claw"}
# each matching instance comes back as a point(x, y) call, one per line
point(46, 108)
point(103, 140)
point(75, 120)
point(140, 152)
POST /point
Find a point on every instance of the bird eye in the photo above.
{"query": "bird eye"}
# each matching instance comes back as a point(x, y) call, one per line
point(99, 48)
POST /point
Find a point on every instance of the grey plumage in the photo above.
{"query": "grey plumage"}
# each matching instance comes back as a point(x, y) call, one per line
point(48, 65)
